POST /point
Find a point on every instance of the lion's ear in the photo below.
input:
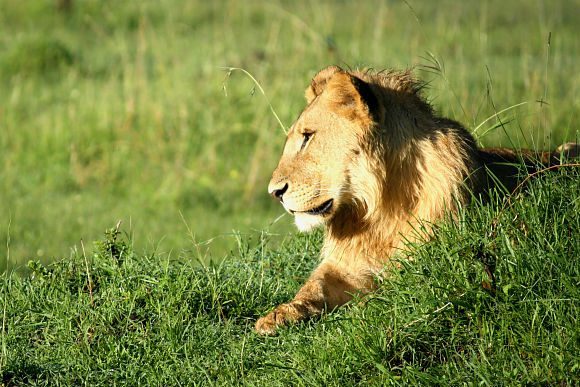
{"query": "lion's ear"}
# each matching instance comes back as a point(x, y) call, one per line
point(352, 96)
point(319, 81)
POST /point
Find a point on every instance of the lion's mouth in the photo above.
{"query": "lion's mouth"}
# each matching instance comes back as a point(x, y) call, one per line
point(322, 209)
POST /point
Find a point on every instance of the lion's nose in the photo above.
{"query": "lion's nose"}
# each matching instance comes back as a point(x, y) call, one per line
point(279, 192)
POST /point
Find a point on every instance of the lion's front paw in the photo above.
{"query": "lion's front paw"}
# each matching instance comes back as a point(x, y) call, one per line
point(282, 315)
point(266, 325)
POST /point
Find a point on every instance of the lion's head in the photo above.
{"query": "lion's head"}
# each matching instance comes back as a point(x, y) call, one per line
point(314, 177)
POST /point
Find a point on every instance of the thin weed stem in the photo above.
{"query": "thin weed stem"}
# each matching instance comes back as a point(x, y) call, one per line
point(230, 70)
point(89, 279)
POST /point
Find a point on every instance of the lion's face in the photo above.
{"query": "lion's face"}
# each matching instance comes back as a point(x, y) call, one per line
point(312, 179)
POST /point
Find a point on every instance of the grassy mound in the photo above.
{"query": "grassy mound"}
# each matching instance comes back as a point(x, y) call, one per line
point(494, 298)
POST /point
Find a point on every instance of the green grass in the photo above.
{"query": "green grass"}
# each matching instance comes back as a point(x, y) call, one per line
point(123, 111)
point(117, 110)
point(117, 317)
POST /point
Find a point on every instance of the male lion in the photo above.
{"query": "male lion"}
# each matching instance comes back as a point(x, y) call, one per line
point(370, 160)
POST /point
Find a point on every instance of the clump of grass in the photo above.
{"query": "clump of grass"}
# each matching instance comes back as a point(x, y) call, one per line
point(491, 299)
point(37, 56)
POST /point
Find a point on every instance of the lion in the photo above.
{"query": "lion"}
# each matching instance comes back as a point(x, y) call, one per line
point(371, 161)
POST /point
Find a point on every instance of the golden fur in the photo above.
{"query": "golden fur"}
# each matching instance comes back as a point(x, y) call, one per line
point(370, 160)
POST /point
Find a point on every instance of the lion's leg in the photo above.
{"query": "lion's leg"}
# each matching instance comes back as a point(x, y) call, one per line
point(329, 286)
point(568, 150)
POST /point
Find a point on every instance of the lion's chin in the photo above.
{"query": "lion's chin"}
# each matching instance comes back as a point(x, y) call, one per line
point(305, 222)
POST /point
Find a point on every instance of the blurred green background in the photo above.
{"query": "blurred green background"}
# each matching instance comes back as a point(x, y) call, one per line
point(122, 110)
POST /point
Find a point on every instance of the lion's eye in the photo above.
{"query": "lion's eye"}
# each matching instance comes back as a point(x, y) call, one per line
point(307, 136)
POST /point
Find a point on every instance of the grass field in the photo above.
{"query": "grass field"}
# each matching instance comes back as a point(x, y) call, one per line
point(116, 317)
point(127, 111)
point(123, 110)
